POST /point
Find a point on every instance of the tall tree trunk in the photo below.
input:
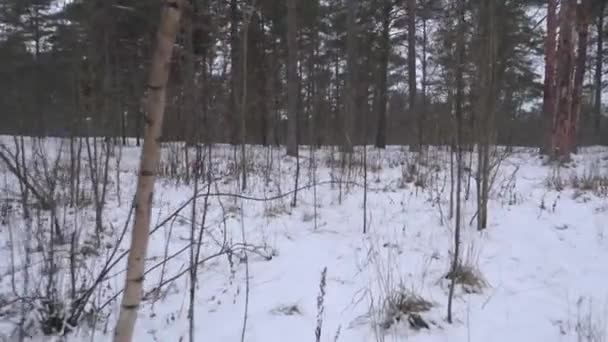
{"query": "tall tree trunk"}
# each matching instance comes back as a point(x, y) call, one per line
point(38, 111)
point(351, 88)
point(488, 94)
point(274, 89)
point(263, 75)
point(292, 81)
point(383, 86)
point(599, 67)
point(582, 28)
point(315, 128)
point(561, 137)
point(138, 105)
point(190, 104)
point(150, 155)
point(244, 105)
point(411, 67)
point(549, 104)
point(234, 66)
point(337, 98)
point(424, 63)
point(459, 111)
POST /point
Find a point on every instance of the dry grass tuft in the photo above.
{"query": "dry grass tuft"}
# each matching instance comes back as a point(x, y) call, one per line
point(468, 277)
point(555, 182)
point(276, 209)
point(591, 181)
point(405, 304)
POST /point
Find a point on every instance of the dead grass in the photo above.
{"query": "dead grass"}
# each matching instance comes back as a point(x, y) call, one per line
point(403, 305)
point(276, 209)
point(415, 174)
point(588, 324)
point(591, 181)
point(468, 277)
point(555, 182)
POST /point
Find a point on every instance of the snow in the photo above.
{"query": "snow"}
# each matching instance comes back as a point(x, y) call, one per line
point(543, 255)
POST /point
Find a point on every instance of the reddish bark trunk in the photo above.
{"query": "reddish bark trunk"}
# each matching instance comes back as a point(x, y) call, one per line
point(562, 122)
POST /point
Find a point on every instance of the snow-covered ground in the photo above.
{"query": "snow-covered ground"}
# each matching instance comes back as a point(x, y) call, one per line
point(543, 258)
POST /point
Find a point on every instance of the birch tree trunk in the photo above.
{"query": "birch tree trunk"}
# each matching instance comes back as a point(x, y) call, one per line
point(150, 155)
point(459, 113)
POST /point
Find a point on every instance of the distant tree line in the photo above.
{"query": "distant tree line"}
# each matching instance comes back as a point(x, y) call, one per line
point(322, 72)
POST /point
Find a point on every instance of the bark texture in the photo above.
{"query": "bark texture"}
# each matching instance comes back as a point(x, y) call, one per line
point(599, 67)
point(292, 81)
point(150, 155)
point(572, 55)
point(233, 115)
point(383, 77)
point(411, 66)
point(351, 60)
point(582, 28)
point(549, 104)
point(457, 144)
point(561, 138)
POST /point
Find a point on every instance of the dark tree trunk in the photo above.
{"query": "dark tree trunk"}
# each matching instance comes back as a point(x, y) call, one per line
point(549, 104)
point(317, 87)
point(292, 81)
point(383, 86)
point(233, 121)
point(189, 97)
point(597, 107)
point(424, 62)
point(351, 60)
point(263, 74)
point(335, 124)
point(411, 66)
